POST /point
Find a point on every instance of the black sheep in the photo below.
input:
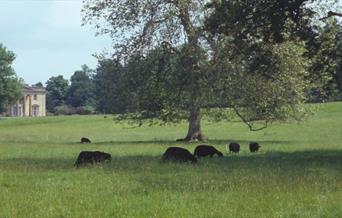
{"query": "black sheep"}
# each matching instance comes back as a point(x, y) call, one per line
point(91, 157)
point(206, 150)
point(234, 147)
point(85, 140)
point(254, 146)
point(177, 154)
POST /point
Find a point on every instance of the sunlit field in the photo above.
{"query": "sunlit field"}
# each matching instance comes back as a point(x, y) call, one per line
point(297, 173)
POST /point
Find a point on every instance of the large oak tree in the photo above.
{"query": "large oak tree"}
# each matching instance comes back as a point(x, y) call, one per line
point(244, 54)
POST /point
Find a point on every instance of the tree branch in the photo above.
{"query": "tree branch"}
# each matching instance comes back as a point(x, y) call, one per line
point(250, 125)
point(331, 14)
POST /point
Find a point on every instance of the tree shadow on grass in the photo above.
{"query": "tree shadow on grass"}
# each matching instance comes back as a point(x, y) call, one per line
point(174, 142)
point(138, 164)
point(216, 174)
point(287, 160)
point(148, 174)
point(150, 142)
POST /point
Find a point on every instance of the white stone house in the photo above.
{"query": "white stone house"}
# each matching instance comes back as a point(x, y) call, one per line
point(32, 103)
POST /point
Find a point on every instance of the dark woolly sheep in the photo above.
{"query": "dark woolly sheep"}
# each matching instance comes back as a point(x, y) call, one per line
point(254, 146)
point(85, 140)
point(206, 150)
point(92, 157)
point(177, 154)
point(233, 147)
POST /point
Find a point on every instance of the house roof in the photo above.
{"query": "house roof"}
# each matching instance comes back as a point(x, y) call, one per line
point(33, 89)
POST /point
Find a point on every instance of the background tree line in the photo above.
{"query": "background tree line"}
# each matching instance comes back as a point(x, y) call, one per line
point(76, 98)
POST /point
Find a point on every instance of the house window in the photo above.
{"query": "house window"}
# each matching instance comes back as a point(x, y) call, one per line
point(34, 97)
point(35, 110)
point(14, 111)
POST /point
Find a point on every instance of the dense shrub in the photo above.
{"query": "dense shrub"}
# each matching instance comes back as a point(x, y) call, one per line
point(84, 110)
point(69, 110)
point(64, 110)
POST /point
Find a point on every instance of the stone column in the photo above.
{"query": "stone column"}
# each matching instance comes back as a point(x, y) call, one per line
point(30, 105)
point(17, 109)
point(24, 106)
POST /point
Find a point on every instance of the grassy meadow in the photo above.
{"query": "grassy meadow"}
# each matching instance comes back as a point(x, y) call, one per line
point(297, 173)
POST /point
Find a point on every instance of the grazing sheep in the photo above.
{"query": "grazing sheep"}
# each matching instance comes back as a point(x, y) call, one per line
point(85, 140)
point(177, 154)
point(91, 157)
point(254, 146)
point(206, 150)
point(233, 147)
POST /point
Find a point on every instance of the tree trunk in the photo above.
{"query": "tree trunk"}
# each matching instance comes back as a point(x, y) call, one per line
point(194, 131)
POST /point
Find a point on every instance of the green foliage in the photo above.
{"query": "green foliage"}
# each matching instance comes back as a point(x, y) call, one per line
point(56, 88)
point(81, 90)
point(84, 110)
point(110, 87)
point(78, 98)
point(325, 53)
point(157, 85)
point(10, 87)
point(297, 172)
point(155, 88)
point(69, 110)
point(275, 94)
point(338, 74)
point(260, 68)
point(64, 110)
point(249, 24)
point(254, 21)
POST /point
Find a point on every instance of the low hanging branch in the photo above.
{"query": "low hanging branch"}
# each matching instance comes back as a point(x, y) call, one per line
point(331, 14)
point(247, 122)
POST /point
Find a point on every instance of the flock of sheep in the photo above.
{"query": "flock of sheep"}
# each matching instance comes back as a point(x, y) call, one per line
point(174, 154)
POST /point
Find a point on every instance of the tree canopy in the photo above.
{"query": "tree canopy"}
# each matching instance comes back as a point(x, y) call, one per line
point(182, 56)
point(109, 87)
point(56, 88)
point(81, 90)
point(10, 87)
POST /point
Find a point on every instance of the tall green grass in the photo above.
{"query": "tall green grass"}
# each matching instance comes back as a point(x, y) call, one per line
point(297, 173)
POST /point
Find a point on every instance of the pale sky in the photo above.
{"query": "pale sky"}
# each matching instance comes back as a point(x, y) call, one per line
point(47, 38)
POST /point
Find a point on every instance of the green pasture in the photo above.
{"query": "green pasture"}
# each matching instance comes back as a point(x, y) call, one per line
point(297, 173)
